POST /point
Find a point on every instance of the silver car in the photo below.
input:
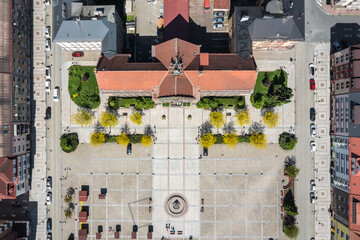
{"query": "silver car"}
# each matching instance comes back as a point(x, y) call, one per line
point(218, 25)
point(219, 14)
point(47, 31)
point(48, 44)
point(312, 185)
point(218, 20)
point(312, 130)
point(48, 198)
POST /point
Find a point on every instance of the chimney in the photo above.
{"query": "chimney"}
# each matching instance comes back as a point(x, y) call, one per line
point(204, 59)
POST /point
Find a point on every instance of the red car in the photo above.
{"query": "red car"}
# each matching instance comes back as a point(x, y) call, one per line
point(78, 54)
point(312, 84)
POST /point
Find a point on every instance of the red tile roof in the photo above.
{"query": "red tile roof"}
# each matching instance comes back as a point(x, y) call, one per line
point(222, 4)
point(203, 71)
point(83, 196)
point(83, 216)
point(7, 186)
point(173, 8)
point(83, 234)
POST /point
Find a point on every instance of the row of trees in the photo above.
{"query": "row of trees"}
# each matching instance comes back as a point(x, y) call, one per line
point(107, 118)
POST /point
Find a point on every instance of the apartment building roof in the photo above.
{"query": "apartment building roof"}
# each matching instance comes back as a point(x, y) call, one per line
point(222, 4)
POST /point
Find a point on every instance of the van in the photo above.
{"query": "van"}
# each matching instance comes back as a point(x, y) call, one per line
point(207, 5)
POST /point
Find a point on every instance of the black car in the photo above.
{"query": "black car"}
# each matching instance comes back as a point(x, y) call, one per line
point(49, 225)
point(49, 236)
point(205, 151)
point(48, 113)
point(128, 149)
point(312, 114)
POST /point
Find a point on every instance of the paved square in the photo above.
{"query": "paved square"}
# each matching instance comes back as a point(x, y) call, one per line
point(230, 194)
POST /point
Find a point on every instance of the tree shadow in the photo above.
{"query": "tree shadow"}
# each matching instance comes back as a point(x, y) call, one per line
point(98, 128)
point(256, 127)
point(290, 161)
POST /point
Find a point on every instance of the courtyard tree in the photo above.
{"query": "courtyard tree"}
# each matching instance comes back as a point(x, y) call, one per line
point(290, 230)
point(230, 139)
point(243, 117)
point(271, 119)
point(69, 142)
point(289, 204)
point(68, 213)
point(108, 119)
point(123, 139)
point(82, 117)
point(207, 140)
point(287, 141)
point(217, 119)
point(146, 140)
point(97, 139)
point(68, 198)
point(136, 118)
point(292, 171)
point(258, 140)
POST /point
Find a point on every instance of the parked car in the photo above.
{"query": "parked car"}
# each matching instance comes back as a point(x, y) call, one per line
point(47, 117)
point(49, 236)
point(56, 94)
point(47, 2)
point(49, 181)
point(311, 69)
point(312, 84)
point(312, 146)
point(218, 25)
point(78, 54)
point(63, 6)
point(205, 151)
point(219, 14)
point(312, 185)
point(47, 85)
point(49, 225)
point(312, 130)
point(207, 5)
point(48, 198)
point(218, 20)
point(63, 14)
point(48, 44)
point(47, 31)
point(312, 114)
point(48, 72)
point(312, 197)
point(128, 149)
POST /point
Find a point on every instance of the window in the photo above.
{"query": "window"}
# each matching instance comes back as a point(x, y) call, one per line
point(342, 234)
point(14, 150)
point(337, 231)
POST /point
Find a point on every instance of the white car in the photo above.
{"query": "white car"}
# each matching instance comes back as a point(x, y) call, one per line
point(48, 198)
point(312, 185)
point(47, 2)
point(56, 94)
point(48, 85)
point(311, 69)
point(312, 130)
point(49, 183)
point(312, 146)
point(48, 72)
point(48, 44)
point(63, 6)
point(312, 197)
point(47, 31)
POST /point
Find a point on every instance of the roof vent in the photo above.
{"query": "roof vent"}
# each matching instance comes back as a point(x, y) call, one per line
point(204, 59)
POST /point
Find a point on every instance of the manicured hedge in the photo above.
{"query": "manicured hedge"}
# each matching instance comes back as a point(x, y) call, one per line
point(69, 142)
point(227, 102)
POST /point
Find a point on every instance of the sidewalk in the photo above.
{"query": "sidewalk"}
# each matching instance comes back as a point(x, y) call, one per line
point(38, 183)
point(322, 155)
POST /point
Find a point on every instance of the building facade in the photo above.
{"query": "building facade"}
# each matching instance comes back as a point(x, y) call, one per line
point(339, 231)
point(348, 4)
point(14, 230)
point(15, 94)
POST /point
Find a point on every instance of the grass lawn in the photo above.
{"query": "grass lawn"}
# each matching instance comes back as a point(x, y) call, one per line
point(84, 92)
point(267, 93)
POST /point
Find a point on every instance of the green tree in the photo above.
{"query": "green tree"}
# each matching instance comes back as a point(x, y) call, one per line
point(292, 231)
point(123, 139)
point(243, 117)
point(217, 119)
point(97, 139)
point(257, 100)
point(292, 171)
point(69, 142)
point(271, 119)
point(258, 140)
point(136, 118)
point(287, 141)
point(289, 204)
point(207, 140)
point(146, 140)
point(82, 117)
point(108, 119)
point(68, 198)
point(230, 139)
point(68, 213)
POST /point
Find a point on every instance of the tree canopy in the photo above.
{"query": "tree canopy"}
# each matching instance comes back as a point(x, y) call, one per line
point(287, 141)
point(217, 119)
point(243, 117)
point(136, 118)
point(123, 139)
point(108, 119)
point(146, 140)
point(82, 117)
point(97, 139)
point(258, 140)
point(69, 142)
point(271, 119)
point(207, 140)
point(231, 139)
